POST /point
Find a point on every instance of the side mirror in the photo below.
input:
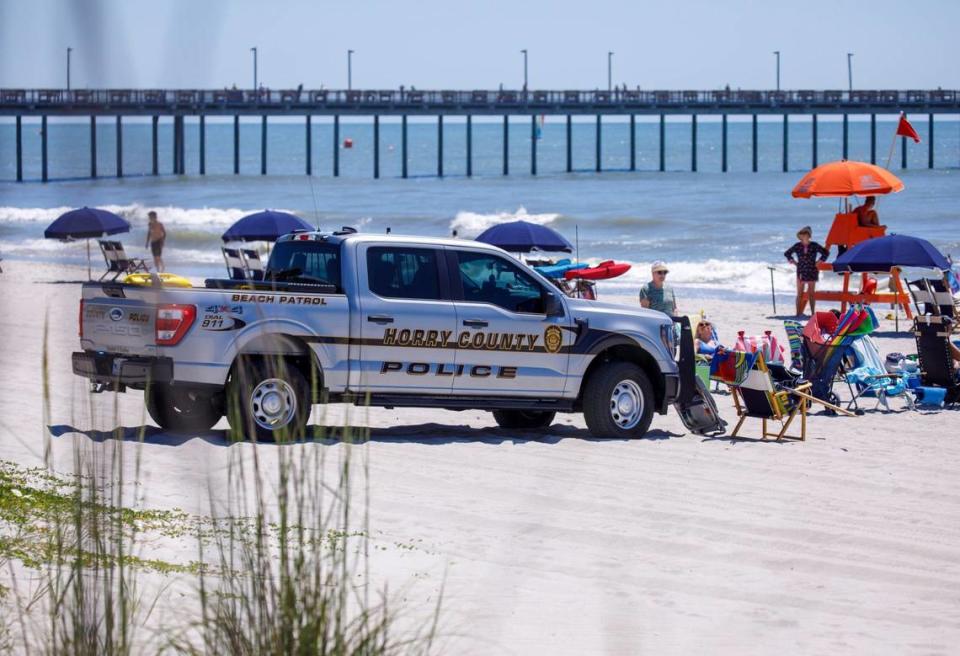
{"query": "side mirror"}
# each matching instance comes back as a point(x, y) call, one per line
point(552, 306)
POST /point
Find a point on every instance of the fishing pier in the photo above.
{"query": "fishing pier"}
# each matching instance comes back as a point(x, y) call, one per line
point(197, 105)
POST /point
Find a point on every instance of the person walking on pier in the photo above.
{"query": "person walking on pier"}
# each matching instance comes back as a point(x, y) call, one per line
point(806, 252)
point(156, 234)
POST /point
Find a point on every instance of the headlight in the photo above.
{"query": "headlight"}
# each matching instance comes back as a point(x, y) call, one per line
point(667, 337)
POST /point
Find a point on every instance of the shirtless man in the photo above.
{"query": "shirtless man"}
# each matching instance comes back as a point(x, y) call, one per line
point(156, 234)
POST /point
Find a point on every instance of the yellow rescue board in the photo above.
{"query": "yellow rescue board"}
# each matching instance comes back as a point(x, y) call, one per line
point(168, 279)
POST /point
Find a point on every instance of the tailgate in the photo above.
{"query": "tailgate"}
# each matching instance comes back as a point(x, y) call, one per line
point(117, 325)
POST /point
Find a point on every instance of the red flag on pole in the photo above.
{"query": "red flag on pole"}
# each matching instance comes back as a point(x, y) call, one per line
point(904, 129)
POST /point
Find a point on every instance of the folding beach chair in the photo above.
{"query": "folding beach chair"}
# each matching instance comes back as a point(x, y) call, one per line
point(794, 330)
point(933, 296)
point(117, 260)
point(252, 263)
point(869, 379)
point(765, 393)
point(234, 261)
point(933, 333)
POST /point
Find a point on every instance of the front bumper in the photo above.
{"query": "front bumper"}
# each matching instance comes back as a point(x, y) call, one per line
point(671, 391)
point(119, 370)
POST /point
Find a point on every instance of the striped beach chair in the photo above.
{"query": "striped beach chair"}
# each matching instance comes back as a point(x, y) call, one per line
point(235, 268)
point(252, 263)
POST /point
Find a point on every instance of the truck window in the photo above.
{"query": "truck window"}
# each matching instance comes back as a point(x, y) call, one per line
point(306, 261)
point(396, 272)
point(492, 279)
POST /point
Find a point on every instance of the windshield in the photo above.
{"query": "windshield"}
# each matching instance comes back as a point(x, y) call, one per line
point(305, 261)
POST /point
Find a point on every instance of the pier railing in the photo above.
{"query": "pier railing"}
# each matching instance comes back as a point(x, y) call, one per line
point(479, 100)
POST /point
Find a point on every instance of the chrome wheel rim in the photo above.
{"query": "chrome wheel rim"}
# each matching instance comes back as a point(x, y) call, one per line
point(273, 403)
point(626, 404)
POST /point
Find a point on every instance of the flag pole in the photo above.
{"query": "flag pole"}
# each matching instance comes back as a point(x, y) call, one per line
point(893, 142)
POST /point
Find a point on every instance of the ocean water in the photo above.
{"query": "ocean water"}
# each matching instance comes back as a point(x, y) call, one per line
point(718, 231)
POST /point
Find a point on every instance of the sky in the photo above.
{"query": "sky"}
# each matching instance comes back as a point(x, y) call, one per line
point(430, 44)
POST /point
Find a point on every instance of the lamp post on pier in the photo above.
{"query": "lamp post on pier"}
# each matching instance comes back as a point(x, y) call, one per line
point(777, 53)
point(349, 70)
point(610, 71)
point(524, 51)
point(850, 71)
point(69, 50)
point(254, 51)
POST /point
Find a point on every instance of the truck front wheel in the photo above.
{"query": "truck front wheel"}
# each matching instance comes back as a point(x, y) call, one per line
point(524, 418)
point(618, 401)
point(182, 408)
point(267, 400)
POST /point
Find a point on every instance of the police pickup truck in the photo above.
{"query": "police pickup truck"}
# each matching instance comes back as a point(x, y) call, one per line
point(377, 320)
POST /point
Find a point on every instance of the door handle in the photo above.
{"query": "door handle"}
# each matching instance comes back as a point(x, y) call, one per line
point(379, 318)
point(475, 323)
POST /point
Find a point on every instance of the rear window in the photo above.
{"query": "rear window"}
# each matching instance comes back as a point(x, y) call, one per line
point(306, 262)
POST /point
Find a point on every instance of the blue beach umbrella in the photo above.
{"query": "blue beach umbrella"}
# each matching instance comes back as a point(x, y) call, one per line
point(523, 237)
point(265, 226)
point(86, 223)
point(884, 253)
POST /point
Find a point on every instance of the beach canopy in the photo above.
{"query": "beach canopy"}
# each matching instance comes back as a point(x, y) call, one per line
point(86, 223)
point(523, 237)
point(884, 253)
point(267, 225)
point(847, 178)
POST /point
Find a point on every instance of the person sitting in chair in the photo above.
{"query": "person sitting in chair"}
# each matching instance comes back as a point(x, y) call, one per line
point(867, 216)
point(704, 340)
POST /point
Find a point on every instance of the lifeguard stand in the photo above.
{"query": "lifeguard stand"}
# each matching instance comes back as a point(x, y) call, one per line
point(845, 233)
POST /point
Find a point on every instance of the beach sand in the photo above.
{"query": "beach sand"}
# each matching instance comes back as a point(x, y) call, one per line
point(557, 543)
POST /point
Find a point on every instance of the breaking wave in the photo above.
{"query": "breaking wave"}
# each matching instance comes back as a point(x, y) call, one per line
point(471, 224)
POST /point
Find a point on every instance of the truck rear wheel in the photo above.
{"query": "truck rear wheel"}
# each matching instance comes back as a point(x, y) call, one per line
point(267, 400)
point(524, 418)
point(618, 401)
point(182, 408)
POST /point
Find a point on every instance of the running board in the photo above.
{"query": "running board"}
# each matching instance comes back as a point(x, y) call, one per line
point(460, 402)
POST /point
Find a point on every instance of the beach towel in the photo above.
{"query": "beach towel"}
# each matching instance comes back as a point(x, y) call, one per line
point(731, 367)
point(794, 330)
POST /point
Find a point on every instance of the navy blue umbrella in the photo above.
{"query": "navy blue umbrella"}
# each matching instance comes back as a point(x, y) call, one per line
point(884, 253)
point(265, 226)
point(523, 237)
point(86, 223)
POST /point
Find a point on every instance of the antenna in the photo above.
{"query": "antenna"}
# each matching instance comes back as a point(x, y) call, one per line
point(313, 197)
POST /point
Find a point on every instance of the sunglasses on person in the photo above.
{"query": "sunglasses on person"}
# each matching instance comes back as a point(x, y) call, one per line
point(662, 273)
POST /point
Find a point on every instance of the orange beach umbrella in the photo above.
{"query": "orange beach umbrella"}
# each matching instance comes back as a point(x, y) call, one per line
point(846, 178)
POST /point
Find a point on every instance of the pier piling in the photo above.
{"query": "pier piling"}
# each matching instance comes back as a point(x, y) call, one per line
point(263, 145)
point(903, 152)
point(309, 144)
point(469, 145)
point(506, 145)
point(754, 142)
point(93, 146)
point(533, 144)
point(723, 143)
point(236, 144)
point(846, 140)
point(336, 145)
point(693, 143)
point(19, 138)
point(663, 138)
point(43, 147)
point(633, 142)
point(786, 143)
point(599, 145)
point(814, 141)
point(154, 160)
point(203, 145)
point(174, 161)
point(403, 146)
point(376, 146)
point(119, 147)
point(569, 143)
point(873, 138)
point(440, 145)
point(930, 143)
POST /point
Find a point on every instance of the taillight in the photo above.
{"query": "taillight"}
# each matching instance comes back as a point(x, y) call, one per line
point(80, 320)
point(173, 322)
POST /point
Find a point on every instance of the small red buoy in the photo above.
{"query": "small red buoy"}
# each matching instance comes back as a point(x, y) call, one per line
point(348, 143)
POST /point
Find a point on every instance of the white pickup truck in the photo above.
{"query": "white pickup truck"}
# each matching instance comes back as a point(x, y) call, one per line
point(381, 320)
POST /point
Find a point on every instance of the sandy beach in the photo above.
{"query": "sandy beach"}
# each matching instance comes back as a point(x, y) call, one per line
point(557, 543)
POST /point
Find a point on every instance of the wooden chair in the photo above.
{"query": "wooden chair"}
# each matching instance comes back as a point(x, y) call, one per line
point(770, 393)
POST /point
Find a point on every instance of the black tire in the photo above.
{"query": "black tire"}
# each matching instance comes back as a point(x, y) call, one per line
point(267, 400)
point(183, 409)
point(528, 419)
point(603, 416)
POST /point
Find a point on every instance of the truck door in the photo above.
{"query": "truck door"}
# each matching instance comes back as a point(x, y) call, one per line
point(505, 340)
point(407, 322)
